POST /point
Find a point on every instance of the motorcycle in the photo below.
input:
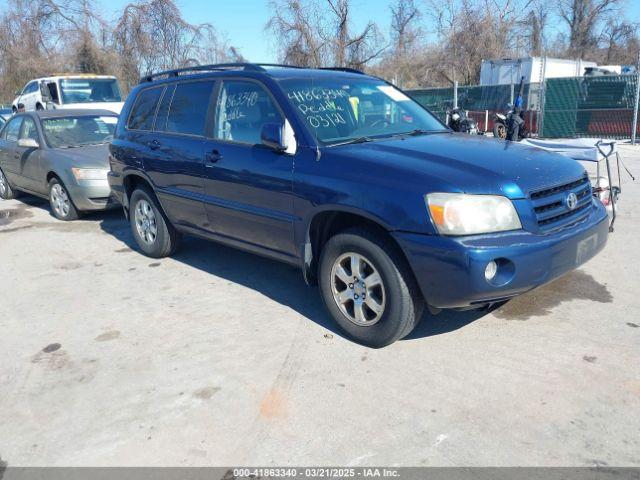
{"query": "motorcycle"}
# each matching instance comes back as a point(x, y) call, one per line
point(511, 126)
point(459, 121)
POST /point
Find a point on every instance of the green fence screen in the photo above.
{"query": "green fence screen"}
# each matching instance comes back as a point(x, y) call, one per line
point(595, 106)
point(599, 106)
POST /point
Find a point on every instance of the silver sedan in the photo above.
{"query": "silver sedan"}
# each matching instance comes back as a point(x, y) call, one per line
point(61, 155)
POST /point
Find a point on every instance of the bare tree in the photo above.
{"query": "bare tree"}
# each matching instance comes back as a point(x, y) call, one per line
point(298, 32)
point(305, 39)
point(152, 35)
point(583, 18)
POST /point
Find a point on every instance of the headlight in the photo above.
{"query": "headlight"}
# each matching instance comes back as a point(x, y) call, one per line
point(90, 173)
point(461, 214)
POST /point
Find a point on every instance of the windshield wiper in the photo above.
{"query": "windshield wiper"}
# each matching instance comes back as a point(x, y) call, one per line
point(420, 131)
point(352, 141)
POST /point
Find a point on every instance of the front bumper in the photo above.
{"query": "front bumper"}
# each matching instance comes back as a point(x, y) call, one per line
point(91, 195)
point(451, 270)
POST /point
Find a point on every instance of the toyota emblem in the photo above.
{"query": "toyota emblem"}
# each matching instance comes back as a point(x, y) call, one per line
point(572, 201)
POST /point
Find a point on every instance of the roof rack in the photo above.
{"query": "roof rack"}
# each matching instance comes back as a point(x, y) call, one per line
point(343, 69)
point(176, 72)
point(255, 67)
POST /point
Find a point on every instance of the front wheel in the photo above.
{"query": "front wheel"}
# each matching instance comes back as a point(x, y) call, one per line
point(368, 287)
point(62, 206)
point(153, 233)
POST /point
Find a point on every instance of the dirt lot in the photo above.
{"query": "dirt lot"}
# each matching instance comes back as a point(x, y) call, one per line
point(218, 357)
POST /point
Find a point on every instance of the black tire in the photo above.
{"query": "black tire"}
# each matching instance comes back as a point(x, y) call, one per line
point(6, 190)
point(166, 239)
point(65, 211)
point(404, 303)
point(500, 131)
point(39, 107)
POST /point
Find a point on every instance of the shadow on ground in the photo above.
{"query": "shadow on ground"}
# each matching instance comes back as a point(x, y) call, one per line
point(283, 283)
point(541, 301)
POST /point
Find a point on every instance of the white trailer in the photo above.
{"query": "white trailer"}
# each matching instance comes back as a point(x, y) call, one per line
point(533, 69)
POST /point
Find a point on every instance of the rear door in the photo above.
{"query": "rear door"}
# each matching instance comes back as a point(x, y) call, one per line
point(175, 161)
point(248, 187)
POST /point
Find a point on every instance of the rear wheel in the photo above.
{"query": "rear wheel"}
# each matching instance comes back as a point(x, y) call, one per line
point(6, 192)
point(153, 233)
point(62, 206)
point(500, 131)
point(368, 288)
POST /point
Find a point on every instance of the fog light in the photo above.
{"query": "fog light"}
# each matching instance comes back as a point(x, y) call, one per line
point(491, 270)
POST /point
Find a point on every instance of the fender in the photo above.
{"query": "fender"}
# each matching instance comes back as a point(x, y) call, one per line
point(306, 248)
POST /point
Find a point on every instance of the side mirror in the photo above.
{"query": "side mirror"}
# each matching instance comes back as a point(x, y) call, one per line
point(271, 136)
point(28, 143)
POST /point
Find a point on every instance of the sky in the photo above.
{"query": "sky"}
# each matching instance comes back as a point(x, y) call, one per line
point(243, 21)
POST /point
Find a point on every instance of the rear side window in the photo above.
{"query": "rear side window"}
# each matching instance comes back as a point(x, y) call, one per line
point(144, 109)
point(188, 111)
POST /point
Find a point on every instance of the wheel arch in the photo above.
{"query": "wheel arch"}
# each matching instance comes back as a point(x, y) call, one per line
point(330, 221)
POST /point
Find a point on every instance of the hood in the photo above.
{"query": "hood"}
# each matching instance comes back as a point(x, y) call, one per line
point(466, 163)
point(114, 107)
point(91, 156)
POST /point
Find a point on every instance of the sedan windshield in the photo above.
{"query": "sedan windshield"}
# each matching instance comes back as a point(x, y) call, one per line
point(89, 90)
point(347, 110)
point(69, 132)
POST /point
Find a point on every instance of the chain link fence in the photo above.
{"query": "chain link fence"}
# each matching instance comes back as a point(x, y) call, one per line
point(596, 106)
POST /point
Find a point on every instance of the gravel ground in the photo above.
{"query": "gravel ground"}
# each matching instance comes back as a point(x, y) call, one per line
point(218, 357)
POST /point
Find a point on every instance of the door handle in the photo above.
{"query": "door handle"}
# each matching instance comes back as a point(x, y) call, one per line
point(154, 144)
point(213, 156)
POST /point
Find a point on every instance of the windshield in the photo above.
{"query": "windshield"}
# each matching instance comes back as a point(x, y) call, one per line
point(71, 132)
point(89, 90)
point(341, 109)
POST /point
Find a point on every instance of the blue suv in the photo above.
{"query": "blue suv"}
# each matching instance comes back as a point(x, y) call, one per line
point(346, 177)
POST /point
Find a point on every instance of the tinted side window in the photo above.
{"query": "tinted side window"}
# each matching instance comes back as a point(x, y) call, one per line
point(188, 112)
point(143, 111)
point(32, 87)
point(163, 109)
point(241, 111)
point(12, 130)
point(28, 129)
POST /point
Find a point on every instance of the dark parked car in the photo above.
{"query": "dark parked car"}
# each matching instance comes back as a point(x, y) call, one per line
point(344, 176)
point(61, 155)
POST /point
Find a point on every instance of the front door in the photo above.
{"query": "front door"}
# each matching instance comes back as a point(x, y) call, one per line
point(248, 187)
point(30, 165)
point(9, 155)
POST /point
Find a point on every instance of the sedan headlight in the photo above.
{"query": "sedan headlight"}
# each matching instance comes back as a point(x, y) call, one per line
point(462, 214)
point(90, 173)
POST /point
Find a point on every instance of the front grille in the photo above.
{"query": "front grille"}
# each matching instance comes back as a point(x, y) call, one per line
point(550, 204)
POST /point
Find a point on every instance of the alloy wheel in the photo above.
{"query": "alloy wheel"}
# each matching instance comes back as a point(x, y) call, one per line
point(358, 289)
point(60, 200)
point(145, 220)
